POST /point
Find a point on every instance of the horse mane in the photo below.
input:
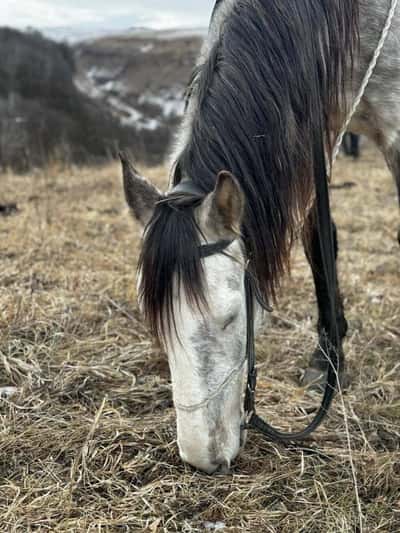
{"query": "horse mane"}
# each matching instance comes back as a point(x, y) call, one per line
point(264, 93)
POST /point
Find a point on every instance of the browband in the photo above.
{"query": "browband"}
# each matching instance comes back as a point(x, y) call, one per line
point(207, 250)
point(186, 193)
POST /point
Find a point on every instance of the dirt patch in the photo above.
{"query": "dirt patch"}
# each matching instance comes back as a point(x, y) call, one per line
point(7, 210)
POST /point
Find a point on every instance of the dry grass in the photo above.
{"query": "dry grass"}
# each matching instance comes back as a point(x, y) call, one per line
point(87, 436)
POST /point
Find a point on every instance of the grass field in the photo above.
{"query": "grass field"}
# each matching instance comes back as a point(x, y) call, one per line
point(87, 426)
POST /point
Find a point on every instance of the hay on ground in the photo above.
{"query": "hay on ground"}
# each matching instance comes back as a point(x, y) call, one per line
point(87, 434)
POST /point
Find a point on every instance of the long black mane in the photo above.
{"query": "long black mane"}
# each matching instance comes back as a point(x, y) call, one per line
point(260, 103)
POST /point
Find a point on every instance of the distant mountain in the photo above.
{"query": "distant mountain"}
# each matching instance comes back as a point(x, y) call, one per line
point(73, 35)
point(81, 103)
point(141, 77)
point(76, 34)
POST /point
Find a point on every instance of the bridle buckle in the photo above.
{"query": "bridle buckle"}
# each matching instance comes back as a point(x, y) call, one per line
point(252, 381)
point(251, 393)
point(246, 421)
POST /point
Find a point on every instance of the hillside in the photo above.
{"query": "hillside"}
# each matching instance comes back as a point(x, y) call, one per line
point(140, 77)
point(43, 115)
point(80, 104)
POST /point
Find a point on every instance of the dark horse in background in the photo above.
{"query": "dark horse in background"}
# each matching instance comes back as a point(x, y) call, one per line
point(351, 145)
point(274, 79)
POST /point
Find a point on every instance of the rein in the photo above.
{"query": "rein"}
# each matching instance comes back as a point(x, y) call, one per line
point(252, 419)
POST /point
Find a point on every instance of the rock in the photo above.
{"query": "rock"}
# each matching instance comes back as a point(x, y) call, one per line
point(8, 392)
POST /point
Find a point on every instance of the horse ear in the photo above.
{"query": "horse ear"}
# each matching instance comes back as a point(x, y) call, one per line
point(140, 194)
point(223, 209)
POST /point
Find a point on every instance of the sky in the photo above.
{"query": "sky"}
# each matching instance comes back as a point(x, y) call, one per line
point(114, 14)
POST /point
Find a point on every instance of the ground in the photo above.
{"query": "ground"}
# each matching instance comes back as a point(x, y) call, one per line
point(87, 425)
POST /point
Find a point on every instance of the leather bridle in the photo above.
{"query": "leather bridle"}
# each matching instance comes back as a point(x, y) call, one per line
point(252, 420)
point(187, 194)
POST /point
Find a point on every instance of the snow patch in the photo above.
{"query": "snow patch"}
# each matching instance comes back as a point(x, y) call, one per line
point(170, 101)
point(101, 83)
point(145, 49)
point(101, 74)
point(113, 86)
point(129, 116)
point(86, 86)
point(150, 110)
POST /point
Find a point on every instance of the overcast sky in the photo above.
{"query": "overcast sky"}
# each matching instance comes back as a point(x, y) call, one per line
point(105, 13)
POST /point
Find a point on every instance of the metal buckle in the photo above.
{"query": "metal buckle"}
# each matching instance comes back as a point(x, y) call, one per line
point(252, 381)
point(246, 422)
point(251, 394)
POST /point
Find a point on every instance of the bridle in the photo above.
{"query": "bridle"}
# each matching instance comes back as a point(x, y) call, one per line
point(186, 194)
point(252, 420)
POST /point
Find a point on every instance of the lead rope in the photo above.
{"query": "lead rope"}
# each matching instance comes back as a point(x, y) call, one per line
point(366, 80)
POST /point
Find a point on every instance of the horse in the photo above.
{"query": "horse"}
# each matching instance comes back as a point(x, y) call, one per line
point(274, 80)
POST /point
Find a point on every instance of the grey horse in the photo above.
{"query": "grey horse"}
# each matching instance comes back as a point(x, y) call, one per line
point(274, 79)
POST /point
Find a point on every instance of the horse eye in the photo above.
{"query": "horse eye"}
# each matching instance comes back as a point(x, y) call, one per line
point(228, 322)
